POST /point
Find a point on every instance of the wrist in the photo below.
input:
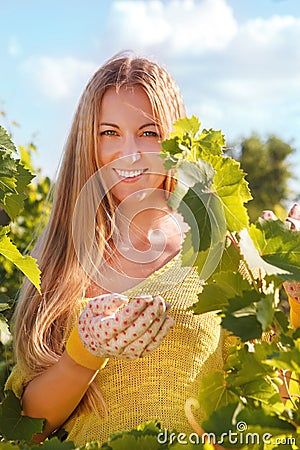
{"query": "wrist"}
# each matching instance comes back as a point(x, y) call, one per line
point(77, 351)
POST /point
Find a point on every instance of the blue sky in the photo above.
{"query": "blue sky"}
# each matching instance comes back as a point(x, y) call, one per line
point(237, 62)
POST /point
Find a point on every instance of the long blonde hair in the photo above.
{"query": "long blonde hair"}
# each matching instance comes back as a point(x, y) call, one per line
point(42, 323)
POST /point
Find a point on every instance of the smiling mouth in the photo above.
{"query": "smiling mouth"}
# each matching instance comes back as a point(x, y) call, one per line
point(130, 173)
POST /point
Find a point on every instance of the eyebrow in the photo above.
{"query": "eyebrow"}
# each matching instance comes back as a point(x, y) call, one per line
point(108, 124)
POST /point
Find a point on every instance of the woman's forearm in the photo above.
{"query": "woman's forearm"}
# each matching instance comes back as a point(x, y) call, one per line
point(55, 394)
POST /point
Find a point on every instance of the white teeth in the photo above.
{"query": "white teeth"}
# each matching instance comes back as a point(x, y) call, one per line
point(129, 173)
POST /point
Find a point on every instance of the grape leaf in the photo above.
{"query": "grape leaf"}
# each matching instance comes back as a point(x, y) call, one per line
point(189, 174)
point(55, 444)
point(230, 259)
point(214, 392)
point(186, 125)
point(265, 392)
point(248, 315)
point(245, 325)
point(13, 425)
point(288, 359)
point(13, 202)
point(8, 173)
point(252, 255)
point(260, 420)
point(26, 263)
point(224, 423)
point(8, 446)
point(265, 311)
point(221, 287)
point(250, 363)
point(220, 421)
point(231, 187)
point(199, 206)
point(146, 436)
point(6, 141)
point(187, 143)
point(204, 214)
point(278, 246)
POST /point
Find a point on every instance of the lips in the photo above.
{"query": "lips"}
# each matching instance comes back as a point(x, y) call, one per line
point(130, 173)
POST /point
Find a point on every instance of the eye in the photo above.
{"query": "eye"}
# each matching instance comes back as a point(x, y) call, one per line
point(108, 133)
point(149, 133)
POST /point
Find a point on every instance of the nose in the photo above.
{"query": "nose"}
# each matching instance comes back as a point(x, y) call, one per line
point(129, 149)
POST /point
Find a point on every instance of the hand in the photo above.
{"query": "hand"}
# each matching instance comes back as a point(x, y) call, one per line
point(111, 326)
point(292, 288)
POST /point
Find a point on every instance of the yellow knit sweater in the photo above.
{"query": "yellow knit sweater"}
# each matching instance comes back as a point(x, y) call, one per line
point(157, 386)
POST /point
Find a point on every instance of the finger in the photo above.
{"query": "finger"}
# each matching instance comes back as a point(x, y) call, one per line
point(294, 217)
point(167, 325)
point(135, 348)
point(110, 326)
point(149, 320)
point(292, 288)
point(294, 212)
point(268, 215)
point(147, 343)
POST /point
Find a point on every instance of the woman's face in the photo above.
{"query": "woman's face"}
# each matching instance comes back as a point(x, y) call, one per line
point(129, 143)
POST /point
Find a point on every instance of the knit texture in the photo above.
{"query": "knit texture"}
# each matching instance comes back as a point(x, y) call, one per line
point(157, 386)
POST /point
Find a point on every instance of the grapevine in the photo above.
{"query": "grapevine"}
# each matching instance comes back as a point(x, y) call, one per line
point(243, 267)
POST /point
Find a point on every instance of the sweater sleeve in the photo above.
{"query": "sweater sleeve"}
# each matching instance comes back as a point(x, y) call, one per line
point(16, 381)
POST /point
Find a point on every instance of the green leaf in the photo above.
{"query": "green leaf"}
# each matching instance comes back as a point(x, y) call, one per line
point(8, 173)
point(260, 420)
point(232, 189)
point(245, 326)
point(8, 446)
point(287, 359)
point(14, 202)
point(15, 426)
point(227, 421)
point(250, 250)
point(26, 264)
point(190, 174)
point(146, 436)
point(199, 206)
point(265, 312)
point(6, 141)
point(55, 444)
point(220, 421)
point(264, 391)
point(215, 393)
point(278, 246)
point(186, 125)
point(211, 141)
point(220, 289)
point(249, 363)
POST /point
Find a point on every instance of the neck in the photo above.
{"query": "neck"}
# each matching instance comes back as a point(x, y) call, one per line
point(143, 214)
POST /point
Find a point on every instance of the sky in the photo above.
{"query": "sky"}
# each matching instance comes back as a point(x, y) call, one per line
point(237, 63)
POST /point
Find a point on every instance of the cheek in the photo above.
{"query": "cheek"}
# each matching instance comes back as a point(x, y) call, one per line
point(105, 155)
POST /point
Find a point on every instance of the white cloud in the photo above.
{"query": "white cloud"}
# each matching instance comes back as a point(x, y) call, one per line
point(177, 26)
point(58, 78)
point(273, 31)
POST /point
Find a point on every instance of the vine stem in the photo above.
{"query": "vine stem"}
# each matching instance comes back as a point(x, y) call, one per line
point(193, 402)
point(286, 386)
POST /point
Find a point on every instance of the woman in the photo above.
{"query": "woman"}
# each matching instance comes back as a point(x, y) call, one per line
point(112, 237)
